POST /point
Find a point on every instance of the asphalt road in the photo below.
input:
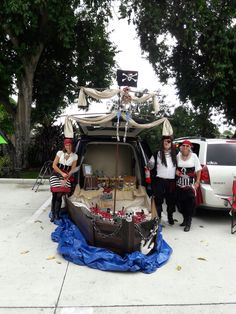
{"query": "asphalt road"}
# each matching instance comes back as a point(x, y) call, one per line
point(199, 277)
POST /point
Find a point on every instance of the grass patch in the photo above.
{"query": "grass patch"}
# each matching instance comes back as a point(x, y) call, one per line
point(29, 174)
point(6, 172)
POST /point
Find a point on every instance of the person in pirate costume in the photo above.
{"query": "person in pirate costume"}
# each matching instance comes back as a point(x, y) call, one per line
point(188, 174)
point(163, 166)
point(61, 178)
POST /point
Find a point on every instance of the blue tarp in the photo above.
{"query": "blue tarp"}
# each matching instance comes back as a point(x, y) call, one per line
point(74, 248)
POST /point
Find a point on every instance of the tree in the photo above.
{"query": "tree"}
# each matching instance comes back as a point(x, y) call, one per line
point(184, 121)
point(48, 137)
point(228, 134)
point(37, 33)
point(201, 53)
point(153, 136)
point(187, 122)
point(88, 62)
point(6, 122)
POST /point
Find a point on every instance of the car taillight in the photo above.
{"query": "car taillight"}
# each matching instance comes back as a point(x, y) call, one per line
point(205, 177)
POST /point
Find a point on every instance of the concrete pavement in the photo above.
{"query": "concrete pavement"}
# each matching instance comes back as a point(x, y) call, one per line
point(198, 278)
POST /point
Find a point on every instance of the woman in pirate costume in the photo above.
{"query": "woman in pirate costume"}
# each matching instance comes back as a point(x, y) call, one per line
point(163, 166)
point(60, 180)
point(188, 179)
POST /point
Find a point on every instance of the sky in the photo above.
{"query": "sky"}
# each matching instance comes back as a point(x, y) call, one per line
point(130, 58)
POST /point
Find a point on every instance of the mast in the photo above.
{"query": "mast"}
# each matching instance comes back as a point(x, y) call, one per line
point(124, 78)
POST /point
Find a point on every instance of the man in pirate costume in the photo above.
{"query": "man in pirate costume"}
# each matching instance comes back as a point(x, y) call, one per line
point(188, 180)
point(163, 165)
point(61, 178)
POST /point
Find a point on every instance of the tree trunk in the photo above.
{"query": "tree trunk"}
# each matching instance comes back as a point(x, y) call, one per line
point(23, 114)
point(22, 122)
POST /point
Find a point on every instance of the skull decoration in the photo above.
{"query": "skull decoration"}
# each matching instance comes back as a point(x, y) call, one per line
point(129, 216)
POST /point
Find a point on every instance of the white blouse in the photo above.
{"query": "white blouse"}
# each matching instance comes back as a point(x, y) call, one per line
point(193, 161)
point(188, 169)
point(64, 161)
point(163, 171)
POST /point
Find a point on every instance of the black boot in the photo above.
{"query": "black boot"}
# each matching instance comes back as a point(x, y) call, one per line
point(159, 211)
point(183, 224)
point(53, 203)
point(52, 216)
point(57, 214)
point(188, 224)
point(170, 219)
point(58, 205)
point(186, 228)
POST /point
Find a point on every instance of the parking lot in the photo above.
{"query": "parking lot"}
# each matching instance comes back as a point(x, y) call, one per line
point(198, 278)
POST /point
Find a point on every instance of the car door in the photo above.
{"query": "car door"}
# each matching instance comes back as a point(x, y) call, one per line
point(221, 163)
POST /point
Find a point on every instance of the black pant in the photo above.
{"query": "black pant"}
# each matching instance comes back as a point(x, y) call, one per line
point(186, 202)
point(56, 203)
point(164, 189)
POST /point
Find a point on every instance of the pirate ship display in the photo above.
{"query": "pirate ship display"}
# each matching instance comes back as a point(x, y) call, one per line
point(110, 204)
point(132, 227)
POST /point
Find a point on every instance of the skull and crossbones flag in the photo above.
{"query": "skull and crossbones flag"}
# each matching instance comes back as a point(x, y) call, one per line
point(127, 78)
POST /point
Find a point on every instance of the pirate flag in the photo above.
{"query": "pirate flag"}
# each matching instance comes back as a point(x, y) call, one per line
point(127, 78)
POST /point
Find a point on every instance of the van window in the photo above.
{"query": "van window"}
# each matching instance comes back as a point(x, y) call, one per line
point(102, 158)
point(196, 148)
point(221, 154)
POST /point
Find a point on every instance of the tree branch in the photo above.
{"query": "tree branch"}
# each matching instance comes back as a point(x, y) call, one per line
point(43, 21)
point(14, 39)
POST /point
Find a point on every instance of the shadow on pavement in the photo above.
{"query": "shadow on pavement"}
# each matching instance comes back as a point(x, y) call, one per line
point(209, 215)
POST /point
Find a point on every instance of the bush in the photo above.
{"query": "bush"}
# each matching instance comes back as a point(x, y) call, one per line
point(5, 166)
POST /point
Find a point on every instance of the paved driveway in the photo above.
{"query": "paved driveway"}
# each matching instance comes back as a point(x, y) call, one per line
point(198, 278)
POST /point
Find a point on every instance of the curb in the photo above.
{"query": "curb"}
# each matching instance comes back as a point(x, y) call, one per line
point(19, 181)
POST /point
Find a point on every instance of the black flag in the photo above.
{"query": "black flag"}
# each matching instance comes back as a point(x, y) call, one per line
point(127, 78)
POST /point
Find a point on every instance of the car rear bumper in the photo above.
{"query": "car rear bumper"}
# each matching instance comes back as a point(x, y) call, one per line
point(210, 200)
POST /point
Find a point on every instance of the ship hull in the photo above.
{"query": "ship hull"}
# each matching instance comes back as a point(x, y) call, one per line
point(120, 237)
